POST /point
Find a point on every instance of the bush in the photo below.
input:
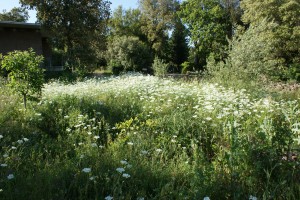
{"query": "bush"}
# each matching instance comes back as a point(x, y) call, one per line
point(116, 68)
point(253, 53)
point(159, 66)
point(129, 53)
point(251, 58)
point(186, 66)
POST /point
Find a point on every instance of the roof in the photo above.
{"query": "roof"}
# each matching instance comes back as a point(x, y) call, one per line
point(11, 24)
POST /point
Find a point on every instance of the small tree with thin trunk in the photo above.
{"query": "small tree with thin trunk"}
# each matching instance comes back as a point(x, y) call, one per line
point(25, 74)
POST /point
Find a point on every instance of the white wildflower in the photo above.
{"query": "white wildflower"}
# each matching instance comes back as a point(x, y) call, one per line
point(20, 141)
point(130, 143)
point(87, 170)
point(124, 162)
point(120, 170)
point(109, 198)
point(10, 176)
point(126, 175)
point(252, 197)
point(158, 150)
point(96, 137)
point(208, 118)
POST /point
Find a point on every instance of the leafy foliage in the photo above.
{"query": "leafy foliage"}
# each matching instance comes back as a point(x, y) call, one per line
point(25, 73)
point(178, 45)
point(157, 16)
point(77, 27)
point(285, 14)
point(160, 67)
point(16, 15)
point(128, 53)
point(207, 24)
point(253, 52)
point(127, 23)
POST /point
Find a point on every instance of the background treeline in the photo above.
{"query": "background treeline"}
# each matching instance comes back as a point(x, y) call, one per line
point(249, 38)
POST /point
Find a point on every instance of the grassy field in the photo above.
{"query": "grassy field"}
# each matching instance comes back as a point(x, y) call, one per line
point(142, 137)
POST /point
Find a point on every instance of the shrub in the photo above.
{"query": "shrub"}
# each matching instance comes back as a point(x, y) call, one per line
point(159, 66)
point(186, 66)
point(254, 54)
point(128, 52)
point(25, 73)
point(116, 68)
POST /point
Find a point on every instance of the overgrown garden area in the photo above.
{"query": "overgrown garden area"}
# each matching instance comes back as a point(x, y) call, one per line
point(232, 131)
point(135, 136)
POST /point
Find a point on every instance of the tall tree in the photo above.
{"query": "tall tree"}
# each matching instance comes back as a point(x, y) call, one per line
point(207, 24)
point(78, 27)
point(16, 15)
point(233, 14)
point(284, 13)
point(178, 45)
point(158, 18)
point(127, 23)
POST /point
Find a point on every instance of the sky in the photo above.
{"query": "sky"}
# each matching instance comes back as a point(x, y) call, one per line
point(9, 4)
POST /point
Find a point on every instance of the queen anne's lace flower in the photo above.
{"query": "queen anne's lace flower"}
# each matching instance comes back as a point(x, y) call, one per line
point(87, 170)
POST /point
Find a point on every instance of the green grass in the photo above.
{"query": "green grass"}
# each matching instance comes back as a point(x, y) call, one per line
point(141, 137)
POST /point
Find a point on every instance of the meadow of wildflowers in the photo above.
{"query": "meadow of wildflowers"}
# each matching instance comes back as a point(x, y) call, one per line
point(143, 137)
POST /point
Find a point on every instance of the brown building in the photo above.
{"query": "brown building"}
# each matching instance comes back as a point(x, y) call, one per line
point(22, 36)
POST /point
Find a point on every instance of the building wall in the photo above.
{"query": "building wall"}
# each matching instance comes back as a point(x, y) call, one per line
point(20, 39)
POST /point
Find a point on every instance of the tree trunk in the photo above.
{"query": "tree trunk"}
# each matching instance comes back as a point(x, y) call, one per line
point(25, 100)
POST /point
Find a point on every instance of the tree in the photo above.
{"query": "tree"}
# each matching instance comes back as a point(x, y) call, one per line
point(284, 13)
point(26, 77)
point(207, 25)
point(252, 53)
point(158, 20)
point(78, 27)
point(127, 23)
point(128, 53)
point(16, 15)
point(233, 13)
point(179, 45)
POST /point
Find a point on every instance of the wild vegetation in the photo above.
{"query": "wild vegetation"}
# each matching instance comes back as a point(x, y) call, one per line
point(230, 132)
point(143, 137)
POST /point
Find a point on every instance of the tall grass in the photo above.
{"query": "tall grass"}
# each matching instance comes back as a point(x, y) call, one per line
point(141, 137)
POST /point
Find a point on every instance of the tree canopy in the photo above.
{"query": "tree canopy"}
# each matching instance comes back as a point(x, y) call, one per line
point(78, 27)
point(26, 77)
point(157, 16)
point(207, 25)
point(127, 22)
point(16, 15)
point(286, 15)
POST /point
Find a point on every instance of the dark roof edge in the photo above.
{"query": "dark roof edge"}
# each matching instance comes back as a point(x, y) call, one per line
point(11, 24)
